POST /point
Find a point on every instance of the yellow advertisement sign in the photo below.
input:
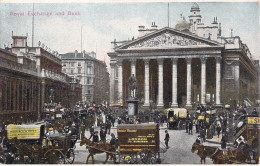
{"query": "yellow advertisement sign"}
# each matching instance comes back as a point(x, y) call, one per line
point(201, 117)
point(207, 120)
point(23, 131)
point(253, 120)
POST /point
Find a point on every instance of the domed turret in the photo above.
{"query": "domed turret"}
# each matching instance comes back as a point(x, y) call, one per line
point(195, 17)
point(195, 6)
point(182, 25)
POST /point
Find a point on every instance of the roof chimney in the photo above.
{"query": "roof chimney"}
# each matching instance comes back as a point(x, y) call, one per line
point(76, 53)
point(141, 30)
point(153, 27)
point(84, 52)
point(141, 27)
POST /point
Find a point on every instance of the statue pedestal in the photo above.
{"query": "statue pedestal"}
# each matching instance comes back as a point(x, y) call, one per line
point(132, 106)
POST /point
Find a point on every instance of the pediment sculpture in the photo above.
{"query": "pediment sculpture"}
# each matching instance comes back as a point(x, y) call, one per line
point(167, 40)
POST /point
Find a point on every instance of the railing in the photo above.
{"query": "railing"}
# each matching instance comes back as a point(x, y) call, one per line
point(60, 77)
point(52, 75)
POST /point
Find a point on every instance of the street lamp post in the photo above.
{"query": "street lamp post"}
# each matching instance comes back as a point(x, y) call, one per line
point(51, 95)
point(86, 97)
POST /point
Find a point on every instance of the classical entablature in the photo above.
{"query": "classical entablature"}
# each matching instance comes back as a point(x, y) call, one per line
point(168, 38)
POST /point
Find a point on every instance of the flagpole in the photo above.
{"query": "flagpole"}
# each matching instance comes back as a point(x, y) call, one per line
point(168, 15)
point(33, 26)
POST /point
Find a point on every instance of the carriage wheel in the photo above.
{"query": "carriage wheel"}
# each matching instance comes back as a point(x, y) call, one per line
point(29, 160)
point(54, 157)
point(147, 156)
point(70, 156)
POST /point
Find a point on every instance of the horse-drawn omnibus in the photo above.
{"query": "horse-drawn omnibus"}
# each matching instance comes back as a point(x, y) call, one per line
point(139, 143)
point(34, 146)
point(136, 144)
point(176, 118)
point(248, 127)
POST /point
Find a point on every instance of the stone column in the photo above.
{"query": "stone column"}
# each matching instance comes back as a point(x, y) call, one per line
point(203, 81)
point(43, 83)
point(10, 95)
point(174, 82)
point(188, 103)
point(133, 68)
point(5, 93)
point(236, 75)
point(160, 83)
point(25, 96)
point(22, 96)
point(112, 83)
point(146, 83)
point(15, 95)
point(218, 81)
point(120, 82)
point(18, 96)
point(31, 97)
point(38, 102)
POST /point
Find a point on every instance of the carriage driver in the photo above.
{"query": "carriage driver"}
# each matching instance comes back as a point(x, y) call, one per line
point(113, 140)
point(198, 140)
point(95, 137)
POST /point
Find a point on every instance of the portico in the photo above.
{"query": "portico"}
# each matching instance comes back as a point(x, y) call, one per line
point(166, 65)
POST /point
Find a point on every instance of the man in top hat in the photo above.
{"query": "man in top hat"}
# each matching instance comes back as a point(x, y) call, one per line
point(167, 138)
point(95, 138)
point(198, 140)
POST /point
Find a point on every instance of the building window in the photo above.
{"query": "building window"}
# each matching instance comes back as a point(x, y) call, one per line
point(72, 64)
point(79, 64)
point(79, 78)
point(79, 71)
point(64, 70)
point(89, 80)
point(89, 70)
point(229, 70)
point(64, 65)
point(72, 71)
point(116, 72)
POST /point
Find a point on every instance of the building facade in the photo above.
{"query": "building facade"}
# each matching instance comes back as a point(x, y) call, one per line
point(28, 76)
point(92, 73)
point(183, 66)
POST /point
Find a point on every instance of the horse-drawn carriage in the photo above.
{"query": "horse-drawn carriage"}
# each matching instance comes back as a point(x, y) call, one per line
point(137, 144)
point(248, 127)
point(34, 146)
point(139, 141)
point(246, 139)
point(176, 118)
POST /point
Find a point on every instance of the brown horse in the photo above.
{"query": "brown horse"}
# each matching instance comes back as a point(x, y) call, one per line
point(231, 156)
point(218, 156)
point(95, 148)
point(203, 151)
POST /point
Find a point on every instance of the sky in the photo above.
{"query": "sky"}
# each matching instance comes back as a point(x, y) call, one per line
point(101, 23)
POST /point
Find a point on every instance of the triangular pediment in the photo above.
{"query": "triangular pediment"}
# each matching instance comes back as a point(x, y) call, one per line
point(168, 38)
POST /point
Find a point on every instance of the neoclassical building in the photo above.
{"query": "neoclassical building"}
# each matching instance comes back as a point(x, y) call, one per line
point(183, 66)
